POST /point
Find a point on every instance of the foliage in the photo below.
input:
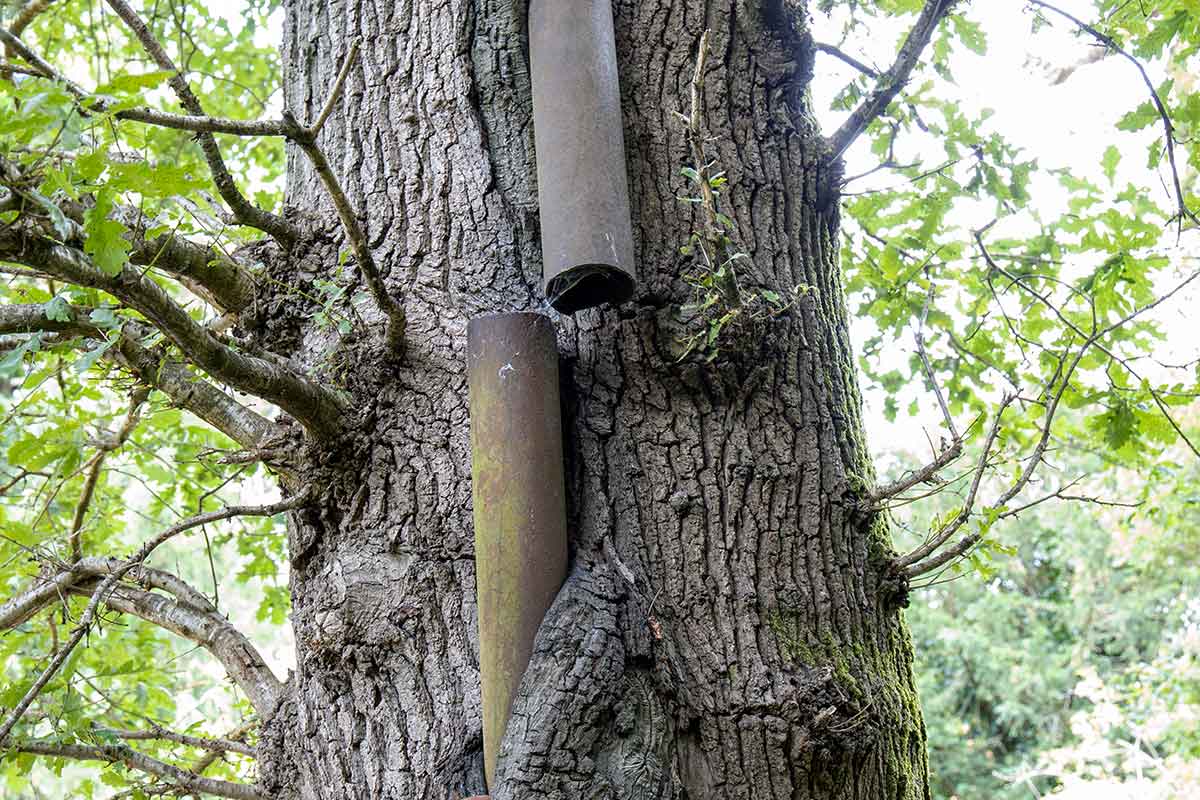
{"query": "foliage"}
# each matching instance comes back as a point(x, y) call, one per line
point(1075, 667)
point(1020, 297)
point(61, 397)
point(1037, 279)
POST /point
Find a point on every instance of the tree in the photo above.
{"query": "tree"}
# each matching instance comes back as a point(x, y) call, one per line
point(732, 621)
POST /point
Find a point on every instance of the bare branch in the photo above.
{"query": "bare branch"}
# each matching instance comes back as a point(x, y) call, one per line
point(159, 733)
point(339, 83)
point(237, 735)
point(131, 758)
point(246, 213)
point(950, 451)
point(204, 269)
point(1159, 106)
point(1061, 494)
point(45, 591)
point(21, 608)
point(306, 138)
point(929, 374)
point(105, 587)
point(947, 456)
point(28, 14)
point(893, 79)
point(148, 578)
point(948, 530)
point(240, 659)
point(314, 406)
point(842, 55)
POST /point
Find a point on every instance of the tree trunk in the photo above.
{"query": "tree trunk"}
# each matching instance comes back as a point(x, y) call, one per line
point(727, 629)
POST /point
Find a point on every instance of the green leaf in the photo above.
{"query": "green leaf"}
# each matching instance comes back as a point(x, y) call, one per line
point(104, 317)
point(62, 225)
point(89, 359)
point(105, 237)
point(1112, 157)
point(14, 357)
point(129, 83)
point(57, 309)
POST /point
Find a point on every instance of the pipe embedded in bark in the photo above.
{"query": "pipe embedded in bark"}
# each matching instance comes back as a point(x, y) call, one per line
point(519, 500)
point(583, 192)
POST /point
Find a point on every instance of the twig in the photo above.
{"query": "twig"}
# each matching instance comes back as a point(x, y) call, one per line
point(822, 47)
point(949, 451)
point(929, 374)
point(157, 732)
point(96, 463)
point(336, 92)
point(948, 530)
point(237, 734)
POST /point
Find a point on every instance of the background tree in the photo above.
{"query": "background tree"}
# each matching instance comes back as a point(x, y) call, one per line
point(732, 620)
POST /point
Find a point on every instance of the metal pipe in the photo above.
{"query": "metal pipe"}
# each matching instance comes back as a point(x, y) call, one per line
point(583, 192)
point(519, 499)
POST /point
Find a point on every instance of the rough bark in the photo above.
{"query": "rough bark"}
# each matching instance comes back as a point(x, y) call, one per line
point(727, 629)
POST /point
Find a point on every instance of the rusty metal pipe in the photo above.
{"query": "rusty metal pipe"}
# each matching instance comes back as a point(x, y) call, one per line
point(519, 499)
point(583, 191)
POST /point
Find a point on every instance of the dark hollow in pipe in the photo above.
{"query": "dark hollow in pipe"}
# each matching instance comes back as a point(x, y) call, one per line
point(519, 500)
point(583, 192)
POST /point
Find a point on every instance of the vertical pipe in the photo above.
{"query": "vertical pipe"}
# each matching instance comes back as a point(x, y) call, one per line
point(583, 192)
point(519, 500)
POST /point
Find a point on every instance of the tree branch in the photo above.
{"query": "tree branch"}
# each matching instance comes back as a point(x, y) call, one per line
point(893, 79)
point(110, 582)
point(948, 530)
point(28, 14)
point(172, 378)
point(235, 735)
point(204, 269)
point(1159, 106)
point(841, 55)
point(240, 659)
point(140, 761)
point(189, 615)
point(159, 733)
point(314, 406)
point(246, 213)
point(96, 464)
point(306, 138)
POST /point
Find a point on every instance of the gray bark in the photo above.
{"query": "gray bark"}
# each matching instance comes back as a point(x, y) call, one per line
point(727, 629)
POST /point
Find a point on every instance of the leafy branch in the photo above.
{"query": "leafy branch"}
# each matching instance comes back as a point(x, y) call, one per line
point(893, 79)
point(103, 591)
point(1183, 212)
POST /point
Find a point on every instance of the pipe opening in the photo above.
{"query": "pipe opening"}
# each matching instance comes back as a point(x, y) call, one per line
point(588, 285)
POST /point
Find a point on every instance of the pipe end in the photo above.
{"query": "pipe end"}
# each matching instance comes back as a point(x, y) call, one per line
point(587, 286)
